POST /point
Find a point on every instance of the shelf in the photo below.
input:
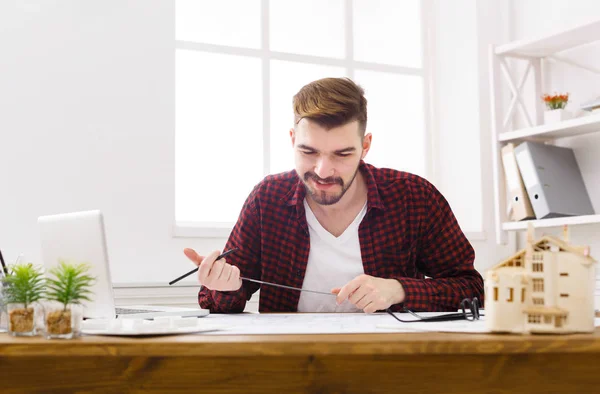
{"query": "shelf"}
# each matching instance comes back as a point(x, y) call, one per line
point(555, 222)
point(567, 128)
point(552, 43)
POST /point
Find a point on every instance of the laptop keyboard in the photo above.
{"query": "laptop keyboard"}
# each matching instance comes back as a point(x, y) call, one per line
point(128, 311)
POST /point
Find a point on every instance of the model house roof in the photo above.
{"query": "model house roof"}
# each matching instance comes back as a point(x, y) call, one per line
point(518, 259)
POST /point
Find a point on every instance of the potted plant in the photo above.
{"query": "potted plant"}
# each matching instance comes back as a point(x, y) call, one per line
point(23, 287)
point(555, 107)
point(66, 289)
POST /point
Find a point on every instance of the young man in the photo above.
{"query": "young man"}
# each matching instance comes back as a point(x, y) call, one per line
point(335, 224)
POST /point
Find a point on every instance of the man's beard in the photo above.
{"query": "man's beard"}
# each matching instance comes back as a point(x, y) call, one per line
point(322, 197)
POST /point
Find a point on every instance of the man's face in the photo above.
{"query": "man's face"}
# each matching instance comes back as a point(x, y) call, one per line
point(327, 160)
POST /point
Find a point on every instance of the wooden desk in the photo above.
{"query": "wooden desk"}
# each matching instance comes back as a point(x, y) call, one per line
point(373, 363)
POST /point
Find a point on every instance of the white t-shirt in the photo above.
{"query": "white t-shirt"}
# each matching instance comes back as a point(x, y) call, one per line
point(332, 262)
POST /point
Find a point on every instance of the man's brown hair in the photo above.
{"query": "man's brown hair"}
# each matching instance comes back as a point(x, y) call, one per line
point(332, 102)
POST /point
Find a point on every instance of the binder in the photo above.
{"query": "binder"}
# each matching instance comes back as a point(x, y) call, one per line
point(520, 206)
point(553, 180)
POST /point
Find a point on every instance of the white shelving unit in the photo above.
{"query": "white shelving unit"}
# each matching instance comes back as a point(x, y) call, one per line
point(568, 128)
point(555, 222)
point(533, 51)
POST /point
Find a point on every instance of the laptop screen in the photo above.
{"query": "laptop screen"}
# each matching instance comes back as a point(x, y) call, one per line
point(80, 238)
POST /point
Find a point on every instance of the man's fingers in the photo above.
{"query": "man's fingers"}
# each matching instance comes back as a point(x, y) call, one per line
point(193, 256)
point(226, 274)
point(206, 266)
point(216, 274)
point(371, 308)
point(336, 290)
point(347, 289)
point(217, 269)
point(359, 296)
point(235, 275)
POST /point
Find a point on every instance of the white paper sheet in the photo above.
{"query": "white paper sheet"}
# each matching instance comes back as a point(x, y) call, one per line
point(336, 323)
point(329, 323)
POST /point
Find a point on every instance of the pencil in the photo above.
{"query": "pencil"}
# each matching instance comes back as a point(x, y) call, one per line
point(3, 264)
point(196, 269)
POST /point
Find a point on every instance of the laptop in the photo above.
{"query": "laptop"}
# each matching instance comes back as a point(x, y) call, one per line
point(79, 237)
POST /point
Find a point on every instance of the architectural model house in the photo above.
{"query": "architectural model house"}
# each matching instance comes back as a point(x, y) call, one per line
point(548, 287)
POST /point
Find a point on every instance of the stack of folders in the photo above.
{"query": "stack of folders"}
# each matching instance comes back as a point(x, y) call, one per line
point(544, 181)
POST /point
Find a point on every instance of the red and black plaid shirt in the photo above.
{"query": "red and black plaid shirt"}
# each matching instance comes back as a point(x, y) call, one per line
point(408, 232)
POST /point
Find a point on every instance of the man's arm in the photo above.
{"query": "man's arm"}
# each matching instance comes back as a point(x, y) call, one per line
point(245, 236)
point(445, 255)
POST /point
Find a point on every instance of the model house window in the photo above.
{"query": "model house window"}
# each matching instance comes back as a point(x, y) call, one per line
point(239, 62)
point(538, 267)
point(495, 293)
point(518, 262)
point(564, 295)
point(510, 294)
point(523, 295)
point(564, 274)
point(547, 319)
point(538, 301)
point(534, 319)
point(559, 320)
point(538, 284)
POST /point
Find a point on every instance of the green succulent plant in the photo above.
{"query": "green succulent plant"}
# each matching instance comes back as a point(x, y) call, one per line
point(70, 285)
point(23, 285)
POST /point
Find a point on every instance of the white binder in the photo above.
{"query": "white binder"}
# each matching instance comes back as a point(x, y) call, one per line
point(520, 206)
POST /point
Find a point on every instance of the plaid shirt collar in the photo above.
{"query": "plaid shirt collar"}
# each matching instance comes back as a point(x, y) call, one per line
point(295, 197)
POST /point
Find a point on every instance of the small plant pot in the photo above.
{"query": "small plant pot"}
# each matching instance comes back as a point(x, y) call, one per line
point(62, 322)
point(556, 116)
point(21, 320)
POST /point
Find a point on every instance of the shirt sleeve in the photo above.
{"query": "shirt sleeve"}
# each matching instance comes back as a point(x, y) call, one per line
point(245, 236)
point(445, 256)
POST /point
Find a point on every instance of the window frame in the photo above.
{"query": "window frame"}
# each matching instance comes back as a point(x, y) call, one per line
point(186, 229)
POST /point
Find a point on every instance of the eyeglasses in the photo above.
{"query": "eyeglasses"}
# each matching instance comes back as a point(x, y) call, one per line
point(469, 311)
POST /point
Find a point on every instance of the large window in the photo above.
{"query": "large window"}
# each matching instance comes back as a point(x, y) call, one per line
point(238, 64)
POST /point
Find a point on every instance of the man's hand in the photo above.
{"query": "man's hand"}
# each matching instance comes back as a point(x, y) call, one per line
point(370, 293)
point(215, 275)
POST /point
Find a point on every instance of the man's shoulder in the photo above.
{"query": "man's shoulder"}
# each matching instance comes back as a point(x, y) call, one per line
point(388, 179)
point(276, 186)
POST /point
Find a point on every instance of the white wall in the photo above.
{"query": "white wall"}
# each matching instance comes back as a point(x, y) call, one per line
point(463, 170)
point(87, 122)
point(457, 155)
point(533, 17)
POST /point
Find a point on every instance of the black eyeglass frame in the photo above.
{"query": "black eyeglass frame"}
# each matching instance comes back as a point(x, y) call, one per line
point(467, 304)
